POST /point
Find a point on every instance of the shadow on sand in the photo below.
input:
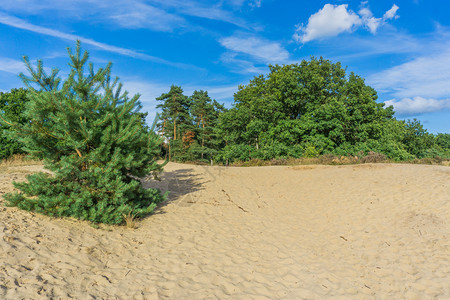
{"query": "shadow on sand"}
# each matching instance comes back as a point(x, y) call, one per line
point(179, 184)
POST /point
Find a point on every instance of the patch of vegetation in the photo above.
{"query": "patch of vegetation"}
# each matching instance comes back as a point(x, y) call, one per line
point(12, 106)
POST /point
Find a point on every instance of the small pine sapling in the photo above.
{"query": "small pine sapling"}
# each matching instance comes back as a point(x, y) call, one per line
point(92, 138)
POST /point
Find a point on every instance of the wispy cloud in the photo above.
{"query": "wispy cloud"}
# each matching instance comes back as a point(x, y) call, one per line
point(425, 76)
point(207, 11)
point(373, 23)
point(387, 43)
point(421, 84)
point(418, 105)
point(11, 66)
point(136, 14)
point(257, 48)
point(241, 65)
point(122, 13)
point(333, 20)
point(240, 3)
point(21, 24)
point(154, 15)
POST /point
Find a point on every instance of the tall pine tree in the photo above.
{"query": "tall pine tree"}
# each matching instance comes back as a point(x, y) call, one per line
point(91, 136)
point(205, 113)
point(175, 118)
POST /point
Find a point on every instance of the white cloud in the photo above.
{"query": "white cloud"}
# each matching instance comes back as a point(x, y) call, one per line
point(208, 11)
point(11, 66)
point(139, 15)
point(392, 13)
point(421, 84)
point(21, 24)
point(369, 20)
point(425, 76)
point(16, 67)
point(241, 66)
point(148, 14)
point(333, 20)
point(418, 105)
point(373, 23)
point(258, 48)
point(123, 13)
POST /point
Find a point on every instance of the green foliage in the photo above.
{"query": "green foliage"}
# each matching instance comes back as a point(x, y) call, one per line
point(174, 118)
point(416, 139)
point(442, 145)
point(12, 106)
point(311, 106)
point(310, 150)
point(205, 113)
point(301, 110)
point(189, 125)
point(92, 137)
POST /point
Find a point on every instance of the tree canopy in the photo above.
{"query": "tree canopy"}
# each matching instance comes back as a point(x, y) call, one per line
point(298, 110)
point(312, 105)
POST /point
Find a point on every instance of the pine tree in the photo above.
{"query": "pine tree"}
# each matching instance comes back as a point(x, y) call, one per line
point(175, 118)
point(205, 113)
point(92, 138)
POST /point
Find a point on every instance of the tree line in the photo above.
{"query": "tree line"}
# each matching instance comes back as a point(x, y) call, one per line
point(299, 110)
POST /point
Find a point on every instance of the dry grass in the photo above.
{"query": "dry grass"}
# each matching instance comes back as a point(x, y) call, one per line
point(130, 220)
point(431, 161)
point(19, 160)
point(330, 159)
point(16, 161)
point(327, 159)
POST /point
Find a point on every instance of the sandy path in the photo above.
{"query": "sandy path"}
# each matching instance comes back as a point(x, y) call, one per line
point(366, 231)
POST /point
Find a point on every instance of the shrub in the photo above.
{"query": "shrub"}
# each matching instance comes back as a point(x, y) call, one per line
point(12, 105)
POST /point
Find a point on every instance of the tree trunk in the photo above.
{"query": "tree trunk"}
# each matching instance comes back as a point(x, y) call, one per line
point(164, 127)
point(170, 153)
point(174, 128)
point(203, 136)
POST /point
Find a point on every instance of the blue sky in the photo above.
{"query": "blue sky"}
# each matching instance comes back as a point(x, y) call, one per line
point(401, 47)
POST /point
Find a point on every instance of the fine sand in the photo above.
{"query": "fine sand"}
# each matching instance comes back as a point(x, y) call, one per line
point(303, 232)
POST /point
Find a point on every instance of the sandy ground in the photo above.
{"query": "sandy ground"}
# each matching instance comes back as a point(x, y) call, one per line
point(305, 232)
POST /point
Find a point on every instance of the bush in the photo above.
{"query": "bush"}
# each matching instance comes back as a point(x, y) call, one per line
point(93, 139)
point(12, 105)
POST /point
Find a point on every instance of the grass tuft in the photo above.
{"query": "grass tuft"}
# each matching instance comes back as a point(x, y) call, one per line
point(130, 220)
point(18, 160)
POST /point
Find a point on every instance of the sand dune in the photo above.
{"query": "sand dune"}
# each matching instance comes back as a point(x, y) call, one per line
point(303, 232)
